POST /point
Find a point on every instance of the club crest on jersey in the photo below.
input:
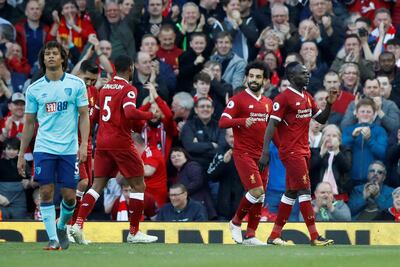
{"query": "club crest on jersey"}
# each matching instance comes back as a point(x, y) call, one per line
point(231, 104)
point(38, 170)
point(131, 94)
point(92, 102)
point(68, 91)
point(276, 106)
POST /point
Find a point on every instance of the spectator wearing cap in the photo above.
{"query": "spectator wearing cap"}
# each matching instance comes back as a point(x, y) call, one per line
point(181, 208)
point(12, 125)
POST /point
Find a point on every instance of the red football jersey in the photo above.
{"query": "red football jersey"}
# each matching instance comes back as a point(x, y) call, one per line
point(294, 111)
point(239, 108)
point(114, 131)
point(92, 97)
point(154, 158)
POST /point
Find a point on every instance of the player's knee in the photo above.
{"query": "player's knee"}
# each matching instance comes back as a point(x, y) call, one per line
point(304, 192)
point(257, 192)
point(46, 196)
point(83, 184)
point(69, 202)
point(292, 194)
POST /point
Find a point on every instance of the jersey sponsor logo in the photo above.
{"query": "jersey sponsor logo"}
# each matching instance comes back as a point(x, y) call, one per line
point(258, 116)
point(131, 94)
point(56, 106)
point(113, 86)
point(231, 104)
point(276, 106)
point(304, 113)
point(68, 91)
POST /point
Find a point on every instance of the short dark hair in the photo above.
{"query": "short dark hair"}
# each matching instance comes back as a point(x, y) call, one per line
point(222, 35)
point(259, 65)
point(352, 35)
point(12, 143)
point(290, 67)
point(49, 45)
point(365, 20)
point(366, 102)
point(387, 53)
point(148, 35)
point(196, 104)
point(198, 34)
point(89, 66)
point(181, 186)
point(202, 76)
point(64, 2)
point(382, 10)
point(122, 63)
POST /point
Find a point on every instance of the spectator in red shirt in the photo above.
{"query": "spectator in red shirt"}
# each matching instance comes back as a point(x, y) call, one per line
point(158, 132)
point(167, 51)
point(15, 60)
point(155, 171)
point(71, 24)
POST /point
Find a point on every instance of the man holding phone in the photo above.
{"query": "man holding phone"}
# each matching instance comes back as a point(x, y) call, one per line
point(332, 83)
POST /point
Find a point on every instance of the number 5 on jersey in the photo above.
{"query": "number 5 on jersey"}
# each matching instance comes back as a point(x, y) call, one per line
point(106, 108)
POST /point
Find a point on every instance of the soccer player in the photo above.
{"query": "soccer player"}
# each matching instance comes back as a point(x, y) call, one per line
point(56, 100)
point(88, 73)
point(247, 114)
point(291, 115)
point(115, 151)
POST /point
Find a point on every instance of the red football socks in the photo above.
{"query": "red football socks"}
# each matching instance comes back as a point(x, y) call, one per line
point(244, 207)
point(136, 205)
point(87, 204)
point(307, 211)
point(254, 219)
point(284, 210)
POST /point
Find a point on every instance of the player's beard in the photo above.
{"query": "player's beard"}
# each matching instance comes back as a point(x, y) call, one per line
point(254, 88)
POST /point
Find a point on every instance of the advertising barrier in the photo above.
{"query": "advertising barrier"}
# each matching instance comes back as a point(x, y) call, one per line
point(212, 233)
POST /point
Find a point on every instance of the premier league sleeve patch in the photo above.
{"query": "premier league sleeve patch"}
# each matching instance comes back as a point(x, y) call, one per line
point(276, 106)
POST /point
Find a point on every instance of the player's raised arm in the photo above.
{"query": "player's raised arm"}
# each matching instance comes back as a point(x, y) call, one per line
point(323, 116)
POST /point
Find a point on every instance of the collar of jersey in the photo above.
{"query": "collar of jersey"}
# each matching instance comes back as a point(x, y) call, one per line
point(295, 91)
point(120, 78)
point(252, 95)
point(48, 80)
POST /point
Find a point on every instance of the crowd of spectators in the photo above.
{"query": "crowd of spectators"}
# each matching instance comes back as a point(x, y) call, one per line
point(189, 59)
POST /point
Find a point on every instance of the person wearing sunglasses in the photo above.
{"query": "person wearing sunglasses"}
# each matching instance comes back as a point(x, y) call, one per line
point(368, 200)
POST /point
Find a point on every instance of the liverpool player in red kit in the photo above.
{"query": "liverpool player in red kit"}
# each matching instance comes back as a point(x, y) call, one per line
point(291, 115)
point(88, 73)
point(115, 151)
point(247, 114)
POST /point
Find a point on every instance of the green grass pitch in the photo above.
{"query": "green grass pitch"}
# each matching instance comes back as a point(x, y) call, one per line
point(188, 255)
point(115, 255)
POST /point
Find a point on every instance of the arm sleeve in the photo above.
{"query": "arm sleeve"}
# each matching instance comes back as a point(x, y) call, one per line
point(31, 105)
point(82, 96)
point(279, 108)
point(130, 110)
point(230, 116)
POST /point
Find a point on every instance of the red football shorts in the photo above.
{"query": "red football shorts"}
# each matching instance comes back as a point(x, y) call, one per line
point(247, 168)
point(297, 176)
point(107, 163)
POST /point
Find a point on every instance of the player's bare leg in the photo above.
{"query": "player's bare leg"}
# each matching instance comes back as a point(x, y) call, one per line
point(88, 201)
point(250, 204)
point(136, 205)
